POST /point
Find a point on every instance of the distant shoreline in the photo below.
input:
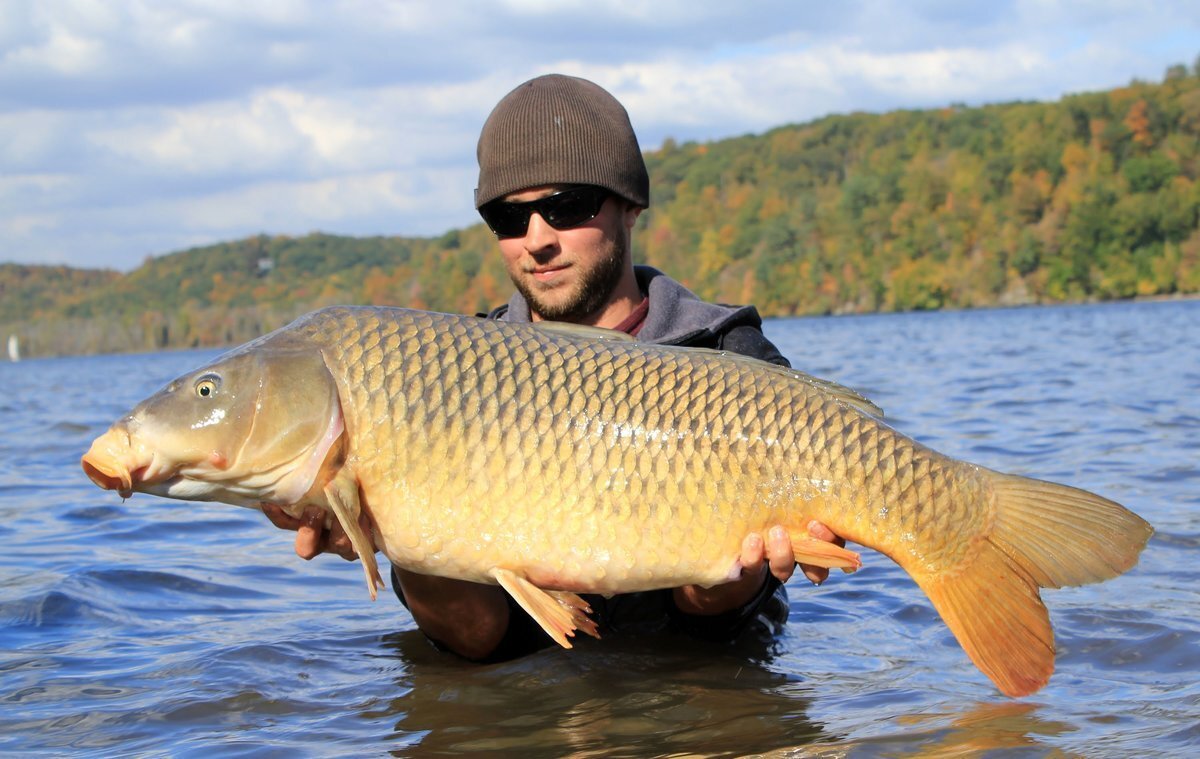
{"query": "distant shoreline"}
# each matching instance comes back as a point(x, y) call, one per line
point(1178, 297)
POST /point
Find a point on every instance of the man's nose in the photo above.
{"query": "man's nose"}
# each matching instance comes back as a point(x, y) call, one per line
point(539, 235)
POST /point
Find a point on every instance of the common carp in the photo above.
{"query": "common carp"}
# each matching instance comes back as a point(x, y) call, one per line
point(555, 459)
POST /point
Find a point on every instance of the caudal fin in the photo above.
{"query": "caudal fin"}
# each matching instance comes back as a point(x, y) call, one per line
point(1044, 536)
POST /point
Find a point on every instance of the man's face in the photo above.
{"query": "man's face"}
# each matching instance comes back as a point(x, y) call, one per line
point(569, 274)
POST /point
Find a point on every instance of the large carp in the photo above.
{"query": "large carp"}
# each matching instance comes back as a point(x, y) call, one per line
point(553, 460)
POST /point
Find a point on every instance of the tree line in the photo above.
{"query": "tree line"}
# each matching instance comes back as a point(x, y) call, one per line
point(1092, 197)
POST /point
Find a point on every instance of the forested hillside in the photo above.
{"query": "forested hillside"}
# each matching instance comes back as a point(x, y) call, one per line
point(1092, 197)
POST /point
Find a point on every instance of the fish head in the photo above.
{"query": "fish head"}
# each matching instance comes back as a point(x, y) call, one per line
point(255, 425)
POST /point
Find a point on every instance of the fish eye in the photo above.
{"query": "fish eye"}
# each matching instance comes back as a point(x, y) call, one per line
point(206, 386)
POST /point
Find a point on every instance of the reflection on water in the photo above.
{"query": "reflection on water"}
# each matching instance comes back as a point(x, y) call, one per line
point(158, 627)
point(1008, 727)
point(618, 696)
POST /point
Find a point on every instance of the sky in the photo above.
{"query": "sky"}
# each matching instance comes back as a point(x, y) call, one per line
point(135, 128)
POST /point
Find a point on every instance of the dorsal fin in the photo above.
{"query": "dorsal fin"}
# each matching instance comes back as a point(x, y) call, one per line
point(842, 393)
point(582, 331)
point(847, 395)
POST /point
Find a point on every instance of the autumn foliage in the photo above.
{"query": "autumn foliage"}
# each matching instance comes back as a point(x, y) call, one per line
point(1093, 197)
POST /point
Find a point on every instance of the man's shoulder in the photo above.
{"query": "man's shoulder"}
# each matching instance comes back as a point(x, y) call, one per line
point(750, 341)
point(677, 316)
point(515, 310)
point(676, 310)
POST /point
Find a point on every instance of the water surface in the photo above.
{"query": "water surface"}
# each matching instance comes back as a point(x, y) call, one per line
point(155, 627)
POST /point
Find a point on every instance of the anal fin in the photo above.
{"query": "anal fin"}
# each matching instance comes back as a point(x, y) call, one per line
point(822, 553)
point(559, 612)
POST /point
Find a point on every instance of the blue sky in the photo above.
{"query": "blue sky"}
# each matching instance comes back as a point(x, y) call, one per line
point(131, 128)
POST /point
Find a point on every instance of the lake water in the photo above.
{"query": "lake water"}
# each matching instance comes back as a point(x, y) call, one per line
point(154, 627)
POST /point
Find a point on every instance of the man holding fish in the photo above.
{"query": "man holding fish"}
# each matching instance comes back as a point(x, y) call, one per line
point(561, 184)
point(557, 458)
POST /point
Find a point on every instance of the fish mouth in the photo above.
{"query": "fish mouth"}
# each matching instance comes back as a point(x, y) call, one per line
point(112, 475)
point(112, 464)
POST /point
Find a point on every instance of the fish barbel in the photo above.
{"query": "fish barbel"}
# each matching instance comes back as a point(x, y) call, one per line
point(556, 459)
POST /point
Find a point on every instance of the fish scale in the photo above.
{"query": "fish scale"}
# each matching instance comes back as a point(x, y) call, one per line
point(553, 459)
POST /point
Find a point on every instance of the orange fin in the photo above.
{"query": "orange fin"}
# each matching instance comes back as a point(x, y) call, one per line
point(822, 553)
point(342, 494)
point(1043, 535)
point(558, 612)
point(580, 609)
point(994, 611)
point(1064, 535)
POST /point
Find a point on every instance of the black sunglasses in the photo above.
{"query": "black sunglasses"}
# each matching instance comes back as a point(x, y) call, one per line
point(562, 210)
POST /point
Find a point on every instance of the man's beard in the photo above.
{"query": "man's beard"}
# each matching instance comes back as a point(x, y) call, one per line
point(593, 291)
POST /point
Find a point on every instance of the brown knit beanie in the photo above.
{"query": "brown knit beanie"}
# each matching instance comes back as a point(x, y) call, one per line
point(559, 129)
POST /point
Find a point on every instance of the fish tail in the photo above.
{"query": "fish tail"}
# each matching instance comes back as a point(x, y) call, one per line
point(1043, 535)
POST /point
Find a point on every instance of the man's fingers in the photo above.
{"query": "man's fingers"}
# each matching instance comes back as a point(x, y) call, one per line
point(279, 517)
point(339, 542)
point(777, 551)
point(753, 550)
point(311, 536)
point(309, 527)
point(310, 533)
point(821, 532)
point(815, 575)
point(780, 556)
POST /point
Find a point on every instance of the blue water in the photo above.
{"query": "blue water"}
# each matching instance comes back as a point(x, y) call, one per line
point(152, 627)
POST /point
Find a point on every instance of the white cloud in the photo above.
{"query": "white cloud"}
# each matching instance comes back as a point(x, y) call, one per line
point(696, 99)
point(326, 203)
point(210, 139)
point(63, 53)
point(28, 225)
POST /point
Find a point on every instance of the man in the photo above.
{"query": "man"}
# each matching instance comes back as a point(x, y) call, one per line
point(561, 184)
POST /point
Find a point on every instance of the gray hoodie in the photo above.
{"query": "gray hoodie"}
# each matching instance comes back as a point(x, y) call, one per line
point(678, 317)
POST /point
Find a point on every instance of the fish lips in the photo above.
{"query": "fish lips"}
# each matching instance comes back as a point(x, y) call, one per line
point(125, 480)
point(113, 464)
point(112, 475)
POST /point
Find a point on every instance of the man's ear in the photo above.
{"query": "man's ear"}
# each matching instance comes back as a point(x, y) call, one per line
point(630, 215)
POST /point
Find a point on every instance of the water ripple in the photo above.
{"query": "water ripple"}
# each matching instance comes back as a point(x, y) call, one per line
point(157, 628)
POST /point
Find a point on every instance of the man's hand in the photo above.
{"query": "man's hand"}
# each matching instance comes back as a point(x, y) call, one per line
point(311, 536)
point(758, 557)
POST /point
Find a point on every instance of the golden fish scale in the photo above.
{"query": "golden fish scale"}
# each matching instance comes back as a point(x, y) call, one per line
point(614, 466)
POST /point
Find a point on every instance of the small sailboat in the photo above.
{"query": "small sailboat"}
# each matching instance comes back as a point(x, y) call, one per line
point(14, 348)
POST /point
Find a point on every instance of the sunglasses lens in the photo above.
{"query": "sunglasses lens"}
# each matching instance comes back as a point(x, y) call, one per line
point(572, 207)
point(562, 210)
point(506, 219)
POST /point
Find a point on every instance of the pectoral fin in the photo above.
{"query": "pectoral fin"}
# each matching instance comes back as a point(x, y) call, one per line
point(558, 612)
point(342, 494)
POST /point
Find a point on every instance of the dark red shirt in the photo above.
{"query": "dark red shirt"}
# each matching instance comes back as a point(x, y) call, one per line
point(633, 323)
